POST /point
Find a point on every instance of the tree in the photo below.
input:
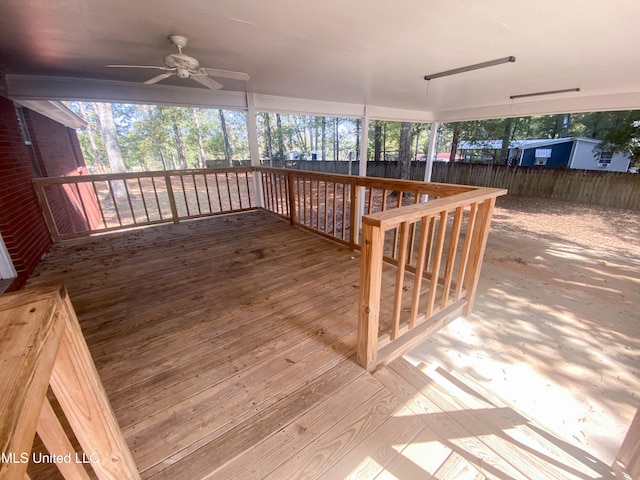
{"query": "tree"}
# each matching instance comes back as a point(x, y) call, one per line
point(279, 137)
point(110, 138)
point(625, 137)
point(377, 140)
point(404, 150)
point(269, 142)
point(196, 126)
point(506, 137)
point(96, 158)
point(324, 138)
point(228, 153)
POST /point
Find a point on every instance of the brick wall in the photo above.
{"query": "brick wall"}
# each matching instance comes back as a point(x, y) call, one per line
point(21, 223)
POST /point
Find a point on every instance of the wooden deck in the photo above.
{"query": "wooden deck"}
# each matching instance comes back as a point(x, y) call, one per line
point(226, 347)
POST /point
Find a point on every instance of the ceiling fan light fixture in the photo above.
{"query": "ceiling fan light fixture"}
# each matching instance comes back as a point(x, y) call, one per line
point(469, 68)
point(184, 66)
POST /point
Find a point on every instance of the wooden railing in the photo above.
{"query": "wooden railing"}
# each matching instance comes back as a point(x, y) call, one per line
point(42, 346)
point(78, 206)
point(435, 235)
point(332, 205)
point(438, 247)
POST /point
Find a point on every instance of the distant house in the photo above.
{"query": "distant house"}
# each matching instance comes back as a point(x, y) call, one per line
point(572, 152)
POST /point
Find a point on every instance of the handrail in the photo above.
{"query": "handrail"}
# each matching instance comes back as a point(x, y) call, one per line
point(42, 345)
point(323, 202)
point(436, 254)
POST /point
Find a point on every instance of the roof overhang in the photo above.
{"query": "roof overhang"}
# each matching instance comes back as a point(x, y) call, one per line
point(55, 111)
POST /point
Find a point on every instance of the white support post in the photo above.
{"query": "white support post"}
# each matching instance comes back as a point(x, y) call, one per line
point(431, 152)
point(362, 168)
point(254, 148)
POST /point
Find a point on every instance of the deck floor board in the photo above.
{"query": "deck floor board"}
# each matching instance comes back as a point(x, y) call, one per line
point(226, 347)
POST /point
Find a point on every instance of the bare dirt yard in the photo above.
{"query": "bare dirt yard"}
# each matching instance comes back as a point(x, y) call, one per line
point(555, 330)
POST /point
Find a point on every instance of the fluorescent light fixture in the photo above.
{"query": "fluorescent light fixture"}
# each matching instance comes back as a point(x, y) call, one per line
point(550, 92)
point(469, 68)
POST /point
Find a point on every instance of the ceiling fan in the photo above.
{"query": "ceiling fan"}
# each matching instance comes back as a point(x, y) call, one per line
point(184, 66)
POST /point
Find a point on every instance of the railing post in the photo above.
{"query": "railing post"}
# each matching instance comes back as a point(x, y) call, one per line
point(369, 302)
point(354, 215)
point(172, 198)
point(478, 244)
point(292, 198)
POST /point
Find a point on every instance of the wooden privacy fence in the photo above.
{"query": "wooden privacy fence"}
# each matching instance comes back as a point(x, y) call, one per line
point(42, 346)
point(78, 206)
point(435, 234)
point(609, 189)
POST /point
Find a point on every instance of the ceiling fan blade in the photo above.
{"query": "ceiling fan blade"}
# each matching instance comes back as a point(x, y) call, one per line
point(207, 82)
point(141, 66)
point(156, 79)
point(227, 74)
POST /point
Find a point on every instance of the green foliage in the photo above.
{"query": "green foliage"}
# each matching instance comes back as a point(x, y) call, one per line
point(620, 131)
point(150, 135)
point(302, 136)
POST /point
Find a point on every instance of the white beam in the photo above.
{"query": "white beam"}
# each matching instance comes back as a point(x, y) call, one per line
point(431, 151)
point(29, 87)
point(301, 106)
point(399, 114)
point(254, 147)
point(566, 104)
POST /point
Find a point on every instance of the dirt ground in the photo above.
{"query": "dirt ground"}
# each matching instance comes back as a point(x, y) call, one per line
point(555, 330)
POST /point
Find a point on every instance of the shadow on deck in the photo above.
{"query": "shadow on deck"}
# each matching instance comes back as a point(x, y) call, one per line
point(226, 347)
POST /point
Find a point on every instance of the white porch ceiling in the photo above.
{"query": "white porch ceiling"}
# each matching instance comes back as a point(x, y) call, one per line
point(351, 53)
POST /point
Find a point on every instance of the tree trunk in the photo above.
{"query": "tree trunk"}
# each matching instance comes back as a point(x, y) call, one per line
point(110, 137)
point(279, 137)
point(377, 140)
point(336, 140)
point(97, 157)
point(506, 136)
point(196, 124)
point(158, 143)
point(182, 159)
point(357, 139)
point(384, 141)
point(324, 138)
point(455, 139)
point(228, 153)
point(566, 124)
point(404, 151)
point(267, 128)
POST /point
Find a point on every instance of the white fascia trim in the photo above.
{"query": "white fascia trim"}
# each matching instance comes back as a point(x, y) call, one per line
point(303, 106)
point(54, 110)
point(400, 115)
point(576, 104)
point(30, 87)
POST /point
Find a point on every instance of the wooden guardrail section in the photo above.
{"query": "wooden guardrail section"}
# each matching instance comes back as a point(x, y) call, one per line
point(78, 206)
point(438, 256)
point(331, 204)
point(434, 233)
point(41, 345)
